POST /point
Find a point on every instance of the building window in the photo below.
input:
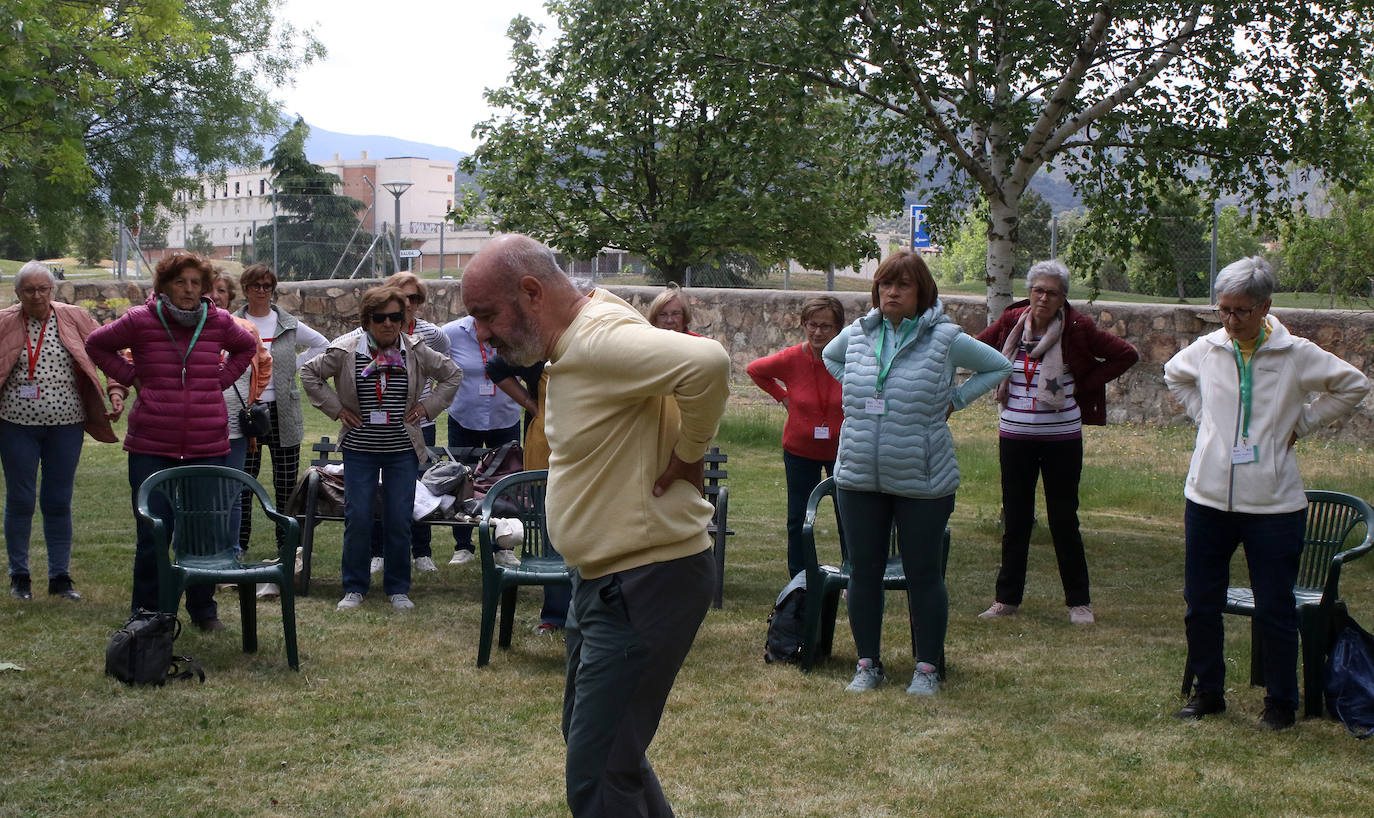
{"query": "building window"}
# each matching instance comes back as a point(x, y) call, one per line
point(262, 187)
point(236, 188)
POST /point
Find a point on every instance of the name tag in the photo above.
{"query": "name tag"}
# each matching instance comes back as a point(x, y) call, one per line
point(486, 389)
point(875, 406)
point(378, 418)
point(822, 433)
point(28, 390)
point(1244, 454)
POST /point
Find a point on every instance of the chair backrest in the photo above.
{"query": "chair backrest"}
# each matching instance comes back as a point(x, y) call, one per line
point(524, 491)
point(201, 501)
point(826, 488)
point(1332, 519)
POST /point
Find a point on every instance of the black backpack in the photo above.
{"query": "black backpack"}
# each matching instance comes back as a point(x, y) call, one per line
point(141, 651)
point(1350, 678)
point(786, 628)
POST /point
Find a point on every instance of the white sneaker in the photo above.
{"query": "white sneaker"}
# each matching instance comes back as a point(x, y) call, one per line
point(425, 565)
point(350, 600)
point(998, 610)
point(268, 590)
point(377, 564)
point(925, 681)
point(1081, 615)
point(868, 675)
point(401, 602)
point(461, 557)
point(506, 557)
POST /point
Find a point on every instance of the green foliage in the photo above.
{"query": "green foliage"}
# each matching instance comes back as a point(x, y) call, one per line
point(965, 256)
point(1117, 96)
point(1333, 254)
point(313, 224)
point(618, 135)
point(113, 107)
point(94, 240)
point(198, 241)
point(1238, 236)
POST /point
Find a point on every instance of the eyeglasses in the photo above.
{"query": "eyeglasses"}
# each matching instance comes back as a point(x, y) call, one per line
point(30, 292)
point(1041, 292)
point(415, 298)
point(260, 286)
point(383, 317)
point(1242, 313)
point(670, 314)
point(811, 326)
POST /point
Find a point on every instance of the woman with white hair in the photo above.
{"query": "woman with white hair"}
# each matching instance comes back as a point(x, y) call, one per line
point(50, 398)
point(1253, 389)
point(1061, 364)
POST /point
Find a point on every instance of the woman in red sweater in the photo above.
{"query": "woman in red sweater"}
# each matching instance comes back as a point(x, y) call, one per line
point(797, 378)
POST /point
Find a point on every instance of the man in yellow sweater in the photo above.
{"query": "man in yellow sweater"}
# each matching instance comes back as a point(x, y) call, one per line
point(630, 410)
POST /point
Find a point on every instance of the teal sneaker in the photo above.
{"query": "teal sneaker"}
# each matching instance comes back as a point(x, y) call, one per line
point(868, 675)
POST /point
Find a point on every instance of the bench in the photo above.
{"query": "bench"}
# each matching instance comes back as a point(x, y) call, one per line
point(713, 476)
point(326, 452)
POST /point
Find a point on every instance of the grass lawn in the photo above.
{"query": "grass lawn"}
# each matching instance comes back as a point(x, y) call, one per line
point(390, 717)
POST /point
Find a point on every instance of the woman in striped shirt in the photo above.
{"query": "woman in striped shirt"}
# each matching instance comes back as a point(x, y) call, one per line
point(1061, 363)
point(379, 373)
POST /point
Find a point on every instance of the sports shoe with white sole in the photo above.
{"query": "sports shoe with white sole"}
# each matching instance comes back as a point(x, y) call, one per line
point(998, 610)
point(425, 565)
point(506, 557)
point(461, 557)
point(868, 675)
point(1081, 615)
point(350, 600)
point(377, 564)
point(268, 590)
point(925, 681)
point(401, 602)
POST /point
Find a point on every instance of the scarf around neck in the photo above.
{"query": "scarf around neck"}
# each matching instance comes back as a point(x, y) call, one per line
point(384, 359)
point(1049, 379)
point(186, 318)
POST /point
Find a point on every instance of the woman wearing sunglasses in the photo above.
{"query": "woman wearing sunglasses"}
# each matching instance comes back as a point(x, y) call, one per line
point(378, 373)
point(284, 336)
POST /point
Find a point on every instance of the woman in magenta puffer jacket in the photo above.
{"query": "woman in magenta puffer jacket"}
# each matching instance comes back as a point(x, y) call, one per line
point(185, 353)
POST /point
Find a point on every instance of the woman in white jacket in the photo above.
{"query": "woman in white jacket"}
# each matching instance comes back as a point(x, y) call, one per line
point(1253, 389)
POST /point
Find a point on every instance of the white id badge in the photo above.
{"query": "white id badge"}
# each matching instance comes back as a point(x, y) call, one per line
point(28, 390)
point(377, 417)
point(875, 406)
point(822, 433)
point(486, 389)
point(1244, 454)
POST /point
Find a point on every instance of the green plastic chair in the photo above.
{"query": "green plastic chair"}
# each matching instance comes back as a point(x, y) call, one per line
point(824, 583)
point(203, 546)
point(1332, 518)
point(539, 564)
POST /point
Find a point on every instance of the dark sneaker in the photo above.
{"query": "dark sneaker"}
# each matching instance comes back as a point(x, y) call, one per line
point(1276, 718)
point(20, 587)
point(210, 625)
point(61, 585)
point(1202, 704)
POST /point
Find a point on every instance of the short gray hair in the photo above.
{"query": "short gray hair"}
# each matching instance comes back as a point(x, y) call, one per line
point(34, 268)
point(1251, 276)
point(1053, 267)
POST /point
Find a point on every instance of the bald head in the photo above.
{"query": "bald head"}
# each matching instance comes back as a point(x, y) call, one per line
point(518, 296)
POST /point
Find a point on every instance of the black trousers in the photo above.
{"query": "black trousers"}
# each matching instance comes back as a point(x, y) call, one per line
point(1060, 464)
point(628, 634)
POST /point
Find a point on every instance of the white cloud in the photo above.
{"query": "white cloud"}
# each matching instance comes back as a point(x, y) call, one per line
point(413, 69)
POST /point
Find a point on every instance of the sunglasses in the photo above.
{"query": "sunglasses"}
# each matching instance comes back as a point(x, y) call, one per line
point(415, 298)
point(383, 317)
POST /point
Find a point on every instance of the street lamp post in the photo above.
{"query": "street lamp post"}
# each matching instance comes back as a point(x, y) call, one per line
point(396, 189)
point(372, 253)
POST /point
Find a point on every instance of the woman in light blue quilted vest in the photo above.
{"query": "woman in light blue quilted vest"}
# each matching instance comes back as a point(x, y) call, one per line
point(896, 463)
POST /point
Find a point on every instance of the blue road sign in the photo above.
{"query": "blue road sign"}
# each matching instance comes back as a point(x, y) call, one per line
point(920, 235)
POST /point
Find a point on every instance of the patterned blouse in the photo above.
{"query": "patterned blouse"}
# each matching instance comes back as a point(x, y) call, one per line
point(56, 402)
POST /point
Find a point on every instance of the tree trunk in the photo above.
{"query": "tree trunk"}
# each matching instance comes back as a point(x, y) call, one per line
point(1002, 229)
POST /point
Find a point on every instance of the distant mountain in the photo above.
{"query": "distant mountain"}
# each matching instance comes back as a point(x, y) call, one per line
point(323, 144)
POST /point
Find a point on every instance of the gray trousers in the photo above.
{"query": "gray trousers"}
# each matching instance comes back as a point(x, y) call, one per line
point(628, 634)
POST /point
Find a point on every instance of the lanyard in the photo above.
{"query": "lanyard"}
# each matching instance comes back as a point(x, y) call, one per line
point(35, 350)
point(1029, 366)
point(482, 348)
point(1245, 369)
point(185, 356)
point(883, 368)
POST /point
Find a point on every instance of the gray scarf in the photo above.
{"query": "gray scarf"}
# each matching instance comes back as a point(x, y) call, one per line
point(1049, 381)
point(186, 318)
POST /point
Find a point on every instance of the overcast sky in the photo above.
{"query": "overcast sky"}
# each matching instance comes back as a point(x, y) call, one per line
point(426, 60)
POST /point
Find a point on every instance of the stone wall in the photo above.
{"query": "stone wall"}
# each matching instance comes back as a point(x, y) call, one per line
point(751, 323)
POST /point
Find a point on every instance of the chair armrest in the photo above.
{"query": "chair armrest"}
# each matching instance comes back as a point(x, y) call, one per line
point(1331, 591)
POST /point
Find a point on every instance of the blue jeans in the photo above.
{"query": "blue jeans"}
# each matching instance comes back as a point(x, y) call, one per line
point(1273, 548)
point(200, 599)
point(23, 450)
point(459, 435)
point(397, 470)
point(803, 474)
point(868, 517)
point(420, 534)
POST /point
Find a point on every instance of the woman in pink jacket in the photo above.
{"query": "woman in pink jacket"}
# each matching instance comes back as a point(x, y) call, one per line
point(50, 397)
point(178, 417)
